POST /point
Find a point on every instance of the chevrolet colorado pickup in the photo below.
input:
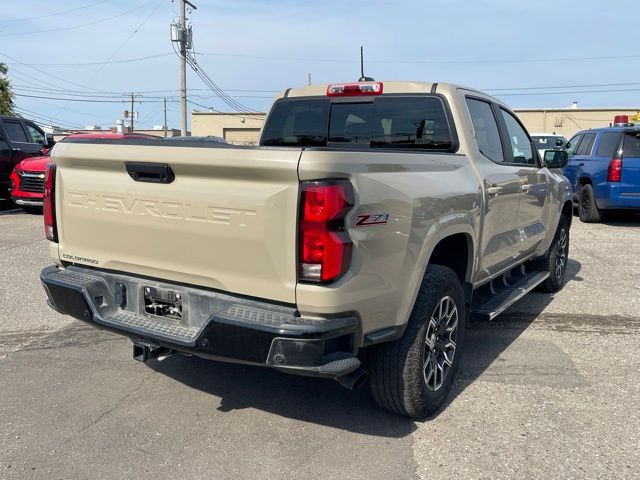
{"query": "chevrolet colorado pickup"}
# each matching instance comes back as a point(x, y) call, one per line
point(372, 221)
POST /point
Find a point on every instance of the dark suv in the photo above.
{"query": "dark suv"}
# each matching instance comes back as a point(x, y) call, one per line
point(604, 171)
point(19, 139)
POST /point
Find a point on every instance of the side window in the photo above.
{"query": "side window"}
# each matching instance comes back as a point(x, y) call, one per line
point(575, 141)
point(36, 134)
point(586, 144)
point(486, 129)
point(15, 132)
point(520, 143)
point(609, 143)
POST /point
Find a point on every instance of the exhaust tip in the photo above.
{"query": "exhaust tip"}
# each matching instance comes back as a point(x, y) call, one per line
point(353, 380)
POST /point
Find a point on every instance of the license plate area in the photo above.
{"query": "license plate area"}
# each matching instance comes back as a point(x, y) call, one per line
point(163, 302)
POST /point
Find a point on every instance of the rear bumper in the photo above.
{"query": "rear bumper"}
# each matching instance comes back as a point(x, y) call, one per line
point(214, 325)
point(611, 196)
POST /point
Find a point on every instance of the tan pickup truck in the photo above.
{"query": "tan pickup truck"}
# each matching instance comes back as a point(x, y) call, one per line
point(374, 219)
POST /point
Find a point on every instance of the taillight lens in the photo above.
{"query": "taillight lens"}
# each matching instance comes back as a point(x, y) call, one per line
point(614, 173)
point(49, 205)
point(324, 247)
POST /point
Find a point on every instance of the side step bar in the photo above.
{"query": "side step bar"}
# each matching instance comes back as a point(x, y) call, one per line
point(498, 303)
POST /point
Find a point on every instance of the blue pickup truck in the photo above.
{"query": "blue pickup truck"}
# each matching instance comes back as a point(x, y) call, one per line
point(604, 171)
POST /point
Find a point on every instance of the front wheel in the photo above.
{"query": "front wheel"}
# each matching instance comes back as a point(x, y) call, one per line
point(413, 374)
point(557, 259)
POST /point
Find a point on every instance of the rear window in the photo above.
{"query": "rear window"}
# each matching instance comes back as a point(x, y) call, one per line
point(609, 143)
point(385, 122)
point(631, 147)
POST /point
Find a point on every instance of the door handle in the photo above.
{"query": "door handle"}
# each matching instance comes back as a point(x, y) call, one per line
point(150, 172)
point(526, 187)
point(494, 190)
point(581, 164)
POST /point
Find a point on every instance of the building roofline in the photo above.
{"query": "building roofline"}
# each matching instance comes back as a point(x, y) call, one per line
point(239, 114)
point(579, 109)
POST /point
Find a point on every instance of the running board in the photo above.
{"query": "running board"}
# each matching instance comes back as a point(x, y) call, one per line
point(502, 300)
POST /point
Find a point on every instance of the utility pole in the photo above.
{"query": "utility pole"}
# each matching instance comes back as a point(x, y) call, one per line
point(131, 113)
point(183, 63)
point(165, 118)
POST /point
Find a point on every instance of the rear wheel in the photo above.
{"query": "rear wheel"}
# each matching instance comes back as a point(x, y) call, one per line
point(587, 208)
point(413, 375)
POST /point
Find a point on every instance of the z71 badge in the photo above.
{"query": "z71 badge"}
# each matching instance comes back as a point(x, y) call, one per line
point(371, 219)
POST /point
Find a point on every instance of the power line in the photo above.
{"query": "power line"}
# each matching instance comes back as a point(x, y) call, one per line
point(73, 27)
point(45, 119)
point(565, 86)
point(83, 100)
point(413, 61)
point(221, 94)
point(90, 64)
point(117, 93)
point(47, 73)
point(563, 93)
point(53, 14)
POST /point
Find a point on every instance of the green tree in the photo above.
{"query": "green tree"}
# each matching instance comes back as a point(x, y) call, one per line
point(6, 95)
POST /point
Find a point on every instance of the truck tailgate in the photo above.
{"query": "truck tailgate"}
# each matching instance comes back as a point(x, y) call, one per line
point(227, 221)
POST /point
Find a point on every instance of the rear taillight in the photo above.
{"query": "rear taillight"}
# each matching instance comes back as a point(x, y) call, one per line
point(614, 173)
point(49, 204)
point(324, 248)
point(354, 89)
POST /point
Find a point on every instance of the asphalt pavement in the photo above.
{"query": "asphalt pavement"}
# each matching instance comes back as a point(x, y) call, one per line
point(548, 390)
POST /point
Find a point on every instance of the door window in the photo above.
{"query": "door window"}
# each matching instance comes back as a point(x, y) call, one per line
point(575, 141)
point(520, 143)
point(36, 134)
point(586, 144)
point(15, 132)
point(486, 129)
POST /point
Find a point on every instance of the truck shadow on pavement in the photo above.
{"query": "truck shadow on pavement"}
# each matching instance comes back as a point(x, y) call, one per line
point(485, 342)
point(313, 400)
point(325, 402)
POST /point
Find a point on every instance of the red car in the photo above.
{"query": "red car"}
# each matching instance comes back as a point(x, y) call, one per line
point(26, 182)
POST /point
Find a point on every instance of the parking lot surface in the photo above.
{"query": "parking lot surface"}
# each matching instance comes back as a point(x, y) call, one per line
point(548, 390)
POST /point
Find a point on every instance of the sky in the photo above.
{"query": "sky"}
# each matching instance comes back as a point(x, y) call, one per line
point(84, 55)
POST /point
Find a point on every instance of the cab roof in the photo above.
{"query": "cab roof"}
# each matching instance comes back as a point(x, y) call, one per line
point(389, 87)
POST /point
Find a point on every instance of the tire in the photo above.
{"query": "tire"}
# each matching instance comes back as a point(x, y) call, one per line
point(32, 210)
point(588, 211)
point(412, 375)
point(556, 260)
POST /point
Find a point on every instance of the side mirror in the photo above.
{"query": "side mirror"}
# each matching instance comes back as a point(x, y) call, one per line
point(555, 158)
point(50, 141)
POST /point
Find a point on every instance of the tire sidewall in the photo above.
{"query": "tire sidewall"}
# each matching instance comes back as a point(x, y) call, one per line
point(593, 214)
point(429, 301)
point(555, 282)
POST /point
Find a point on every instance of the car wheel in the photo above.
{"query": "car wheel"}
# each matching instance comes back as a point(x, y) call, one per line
point(587, 208)
point(32, 210)
point(413, 374)
point(557, 259)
